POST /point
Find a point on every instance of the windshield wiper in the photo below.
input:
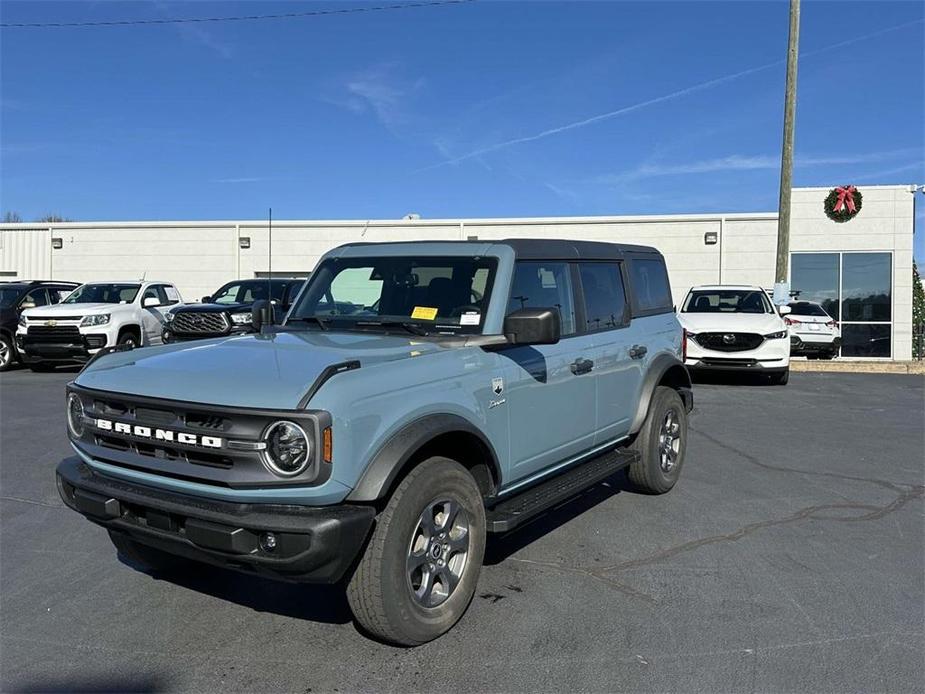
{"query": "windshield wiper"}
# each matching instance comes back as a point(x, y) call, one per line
point(412, 328)
point(322, 323)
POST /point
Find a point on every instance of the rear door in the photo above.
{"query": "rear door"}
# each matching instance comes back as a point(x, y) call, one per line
point(618, 376)
point(549, 393)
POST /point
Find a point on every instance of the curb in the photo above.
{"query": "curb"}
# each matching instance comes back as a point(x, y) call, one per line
point(880, 367)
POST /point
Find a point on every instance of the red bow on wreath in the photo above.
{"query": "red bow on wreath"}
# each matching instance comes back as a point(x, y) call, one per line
point(845, 199)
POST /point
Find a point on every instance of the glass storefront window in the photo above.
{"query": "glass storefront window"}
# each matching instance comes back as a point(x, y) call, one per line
point(815, 277)
point(866, 287)
point(855, 289)
point(865, 340)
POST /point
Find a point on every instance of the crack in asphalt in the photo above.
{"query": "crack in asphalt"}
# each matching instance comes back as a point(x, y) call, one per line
point(905, 494)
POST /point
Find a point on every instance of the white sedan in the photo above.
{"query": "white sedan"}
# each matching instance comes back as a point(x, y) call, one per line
point(814, 334)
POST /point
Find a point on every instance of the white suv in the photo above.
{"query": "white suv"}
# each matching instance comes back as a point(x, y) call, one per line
point(94, 316)
point(814, 334)
point(735, 328)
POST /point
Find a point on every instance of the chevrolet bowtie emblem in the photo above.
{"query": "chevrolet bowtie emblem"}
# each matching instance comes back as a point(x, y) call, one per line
point(51, 323)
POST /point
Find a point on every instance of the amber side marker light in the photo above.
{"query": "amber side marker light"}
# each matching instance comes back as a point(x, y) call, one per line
point(327, 445)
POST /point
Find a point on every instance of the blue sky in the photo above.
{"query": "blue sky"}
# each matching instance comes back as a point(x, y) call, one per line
point(483, 109)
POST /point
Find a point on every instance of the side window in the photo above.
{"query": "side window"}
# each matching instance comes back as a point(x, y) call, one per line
point(36, 297)
point(150, 293)
point(605, 299)
point(170, 295)
point(651, 291)
point(58, 294)
point(540, 284)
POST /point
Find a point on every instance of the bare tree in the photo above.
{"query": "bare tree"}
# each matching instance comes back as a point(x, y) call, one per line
point(12, 217)
point(53, 218)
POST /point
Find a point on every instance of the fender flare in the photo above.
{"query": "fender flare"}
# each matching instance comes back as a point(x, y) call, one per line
point(394, 456)
point(659, 366)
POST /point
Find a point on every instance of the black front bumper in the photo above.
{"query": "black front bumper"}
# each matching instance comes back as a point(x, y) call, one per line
point(76, 351)
point(313, 544)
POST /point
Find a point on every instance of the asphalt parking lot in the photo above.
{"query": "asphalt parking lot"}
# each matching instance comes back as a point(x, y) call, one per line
point(789, 558)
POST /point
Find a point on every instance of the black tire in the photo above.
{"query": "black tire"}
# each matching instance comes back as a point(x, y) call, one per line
point(654, 472)
point(129, 337)
point(7, 353)
point(143, 556)
point(780, 379)
point(381, 591)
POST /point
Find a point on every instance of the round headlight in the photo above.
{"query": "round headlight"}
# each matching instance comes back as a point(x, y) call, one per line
point(288, 449)
point(75, 415)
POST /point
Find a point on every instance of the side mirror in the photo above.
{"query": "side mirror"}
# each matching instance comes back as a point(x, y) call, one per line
point(206, 299)
point(150, 302)
point(784, 310)
point(261, 314)
point(533, 326)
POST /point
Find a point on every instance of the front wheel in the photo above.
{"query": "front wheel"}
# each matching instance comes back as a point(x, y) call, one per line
point(7, 353)
point(420, 569)
point(780, 379)
point(661, 444)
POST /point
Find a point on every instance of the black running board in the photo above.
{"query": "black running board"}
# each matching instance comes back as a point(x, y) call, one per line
point(510, 512)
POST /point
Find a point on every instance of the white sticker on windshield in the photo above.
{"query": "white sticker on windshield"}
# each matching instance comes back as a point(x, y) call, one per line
point(470, 318)
point(172, 293)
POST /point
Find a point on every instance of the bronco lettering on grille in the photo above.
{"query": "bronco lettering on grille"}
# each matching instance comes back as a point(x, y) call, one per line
point(158, 434)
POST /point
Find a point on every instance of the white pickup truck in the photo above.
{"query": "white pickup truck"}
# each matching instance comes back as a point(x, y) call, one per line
point(94, 316)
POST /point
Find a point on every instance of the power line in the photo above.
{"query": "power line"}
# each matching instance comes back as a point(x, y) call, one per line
point(243, 18)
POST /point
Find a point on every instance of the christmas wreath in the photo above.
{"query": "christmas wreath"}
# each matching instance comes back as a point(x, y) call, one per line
point(843, 203)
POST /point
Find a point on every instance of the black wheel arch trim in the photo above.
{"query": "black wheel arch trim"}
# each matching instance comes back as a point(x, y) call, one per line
point(657, 369)
point(395, 456)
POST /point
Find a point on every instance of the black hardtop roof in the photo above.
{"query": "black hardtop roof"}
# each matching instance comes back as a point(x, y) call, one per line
point(32, 283)
point(540, 249)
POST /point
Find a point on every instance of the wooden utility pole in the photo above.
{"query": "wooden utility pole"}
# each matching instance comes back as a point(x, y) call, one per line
point(781, 287)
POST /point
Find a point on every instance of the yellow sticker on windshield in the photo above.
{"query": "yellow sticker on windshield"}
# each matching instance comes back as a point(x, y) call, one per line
point(424, 313)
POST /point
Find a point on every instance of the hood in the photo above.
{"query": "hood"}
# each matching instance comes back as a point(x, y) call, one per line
point(762, 323)
point(69, 310)
point(265, 371)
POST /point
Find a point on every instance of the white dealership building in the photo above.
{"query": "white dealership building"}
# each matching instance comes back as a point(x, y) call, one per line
point(861, 270)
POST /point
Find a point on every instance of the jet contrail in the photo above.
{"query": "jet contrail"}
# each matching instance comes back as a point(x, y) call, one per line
point(657, 100)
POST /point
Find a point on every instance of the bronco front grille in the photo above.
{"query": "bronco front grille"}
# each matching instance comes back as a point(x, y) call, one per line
point(201, 323)
point(57, 333)
point(729, 342)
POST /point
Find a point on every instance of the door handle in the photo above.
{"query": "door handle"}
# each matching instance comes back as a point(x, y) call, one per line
point(638, 351)
point(581, 366)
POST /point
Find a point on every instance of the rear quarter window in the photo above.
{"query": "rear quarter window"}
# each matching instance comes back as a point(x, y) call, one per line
point(651, 292)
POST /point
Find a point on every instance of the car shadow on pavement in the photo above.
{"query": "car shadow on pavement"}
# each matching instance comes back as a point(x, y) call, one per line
point(730, 378)
point(314, 602)
point(500, 547)
point(127, 684)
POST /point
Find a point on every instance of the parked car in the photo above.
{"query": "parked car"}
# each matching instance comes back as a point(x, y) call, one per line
point(470, 386)
point(17, 296)
point(228, 311)
point(94, 316)
point(814, 334)
point(735, 328)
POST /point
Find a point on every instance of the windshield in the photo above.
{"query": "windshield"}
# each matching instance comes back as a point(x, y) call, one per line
point(103, 294)
point(420, 294)
point(9, 296)
point(727, 301)
point(247, 292)
point(805, 308)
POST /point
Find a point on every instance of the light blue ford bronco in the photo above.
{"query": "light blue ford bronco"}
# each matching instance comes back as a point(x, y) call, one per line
point(416, 397)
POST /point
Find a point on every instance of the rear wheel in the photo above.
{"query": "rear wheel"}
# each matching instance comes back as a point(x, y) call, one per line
point(144, 556)
point(661, 444)
point(420, 569)
point(7, 353)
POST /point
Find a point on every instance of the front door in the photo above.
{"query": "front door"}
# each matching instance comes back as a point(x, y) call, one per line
point(548, 390)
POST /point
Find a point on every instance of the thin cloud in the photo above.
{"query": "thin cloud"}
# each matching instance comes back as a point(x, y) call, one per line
point(740, 162)
point(657, 100)
point(247, 179)
point(381, 91)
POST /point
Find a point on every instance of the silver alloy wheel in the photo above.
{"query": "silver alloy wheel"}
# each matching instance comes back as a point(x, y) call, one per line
point(438, 552)
point(6, 354)
point(669, 441)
